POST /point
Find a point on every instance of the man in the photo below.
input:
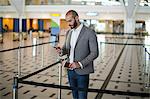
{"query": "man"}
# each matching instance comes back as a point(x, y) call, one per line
point(81, 48)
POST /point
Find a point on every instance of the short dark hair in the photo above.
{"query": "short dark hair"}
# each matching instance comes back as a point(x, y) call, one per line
point(74, 13)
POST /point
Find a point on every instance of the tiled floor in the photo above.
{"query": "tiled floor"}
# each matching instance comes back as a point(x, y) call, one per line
point(128, 75)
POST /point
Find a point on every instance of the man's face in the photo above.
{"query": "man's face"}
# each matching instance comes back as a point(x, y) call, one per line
point(71, 21)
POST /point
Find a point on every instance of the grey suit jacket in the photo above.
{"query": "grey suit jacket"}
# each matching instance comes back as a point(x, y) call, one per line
point(86, 50)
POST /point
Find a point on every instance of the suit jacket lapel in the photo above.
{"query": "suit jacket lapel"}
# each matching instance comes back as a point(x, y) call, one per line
point(80, 35)
point(68, 40)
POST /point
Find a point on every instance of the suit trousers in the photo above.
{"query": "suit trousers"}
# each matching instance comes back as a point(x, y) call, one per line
point(77, 82)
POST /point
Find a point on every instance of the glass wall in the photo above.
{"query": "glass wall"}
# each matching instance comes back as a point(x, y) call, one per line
point(106, 26)
point(73, 2)
point(139, 26)
point(144, 2)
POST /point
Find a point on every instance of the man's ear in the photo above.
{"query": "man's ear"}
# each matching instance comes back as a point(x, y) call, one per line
point(77, 18)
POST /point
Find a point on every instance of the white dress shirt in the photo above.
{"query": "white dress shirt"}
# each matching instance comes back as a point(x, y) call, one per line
point(74, 37)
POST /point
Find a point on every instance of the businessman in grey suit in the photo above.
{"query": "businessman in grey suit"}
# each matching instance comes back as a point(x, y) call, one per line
point(81, 48)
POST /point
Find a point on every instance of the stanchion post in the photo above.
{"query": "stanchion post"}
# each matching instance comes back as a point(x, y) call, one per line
point(146, 70)
point(145, 60)
point(19, 61)
point(145, 74)
point(101, 50)
point(114, 51)
point(15, 88)
point(142, 60)
point(149, 72)
point(42, 56)
point(60, 78)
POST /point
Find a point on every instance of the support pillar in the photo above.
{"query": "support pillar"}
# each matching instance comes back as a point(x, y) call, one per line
point(129, 25)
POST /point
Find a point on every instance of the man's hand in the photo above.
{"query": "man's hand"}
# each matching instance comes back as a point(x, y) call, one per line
point(74, 65)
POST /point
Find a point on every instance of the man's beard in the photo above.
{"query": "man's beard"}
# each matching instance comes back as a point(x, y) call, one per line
point(74, 25)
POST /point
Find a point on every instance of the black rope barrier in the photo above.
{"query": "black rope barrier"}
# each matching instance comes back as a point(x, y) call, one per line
point(104, 85)
point(17, 79)
point(36, 72)
point(146, 50)
point(89, 89)
point(125, 44)
point(25, 46)
point(56, 41)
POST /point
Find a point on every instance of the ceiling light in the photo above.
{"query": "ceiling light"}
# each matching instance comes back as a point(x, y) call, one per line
point(92, 13)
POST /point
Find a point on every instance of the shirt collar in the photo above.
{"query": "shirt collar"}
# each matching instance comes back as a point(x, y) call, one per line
point(78, 28)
